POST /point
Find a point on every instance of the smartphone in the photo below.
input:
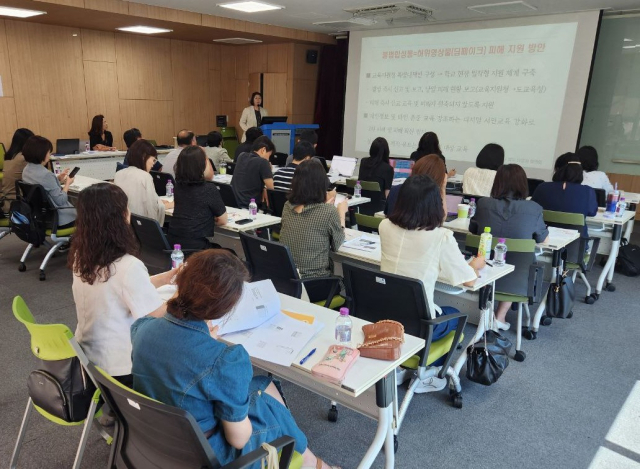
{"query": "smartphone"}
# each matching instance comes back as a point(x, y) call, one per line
point(73, 173)
point(244, 221)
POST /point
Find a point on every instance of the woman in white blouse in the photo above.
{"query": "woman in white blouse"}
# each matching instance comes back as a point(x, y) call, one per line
point(479, 180)
point(592, 177)
point(137, 183)
point(414, 244)
point(252, 115)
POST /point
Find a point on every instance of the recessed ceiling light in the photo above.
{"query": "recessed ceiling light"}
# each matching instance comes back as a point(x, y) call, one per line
point(20, 12)
point(250, 7)
point(628, 40)
point(144, 30)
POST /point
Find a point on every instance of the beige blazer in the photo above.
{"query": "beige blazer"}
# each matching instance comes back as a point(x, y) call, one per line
point(248, 119)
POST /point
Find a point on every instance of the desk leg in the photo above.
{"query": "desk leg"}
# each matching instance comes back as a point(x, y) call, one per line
point(607, 272)
point(384, 434)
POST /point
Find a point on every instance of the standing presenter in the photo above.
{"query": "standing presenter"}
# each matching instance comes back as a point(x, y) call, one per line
point(252, 115)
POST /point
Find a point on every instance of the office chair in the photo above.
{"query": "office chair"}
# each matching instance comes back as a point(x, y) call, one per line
point(371, 190)
point(375, 296)
point(201, 140)
point(273, 261)
point(228, 197)
point(160, 181)
point(149, 434)
point(368, 223)
point(67, 146)
point(524, 286)
point(55, 343)
point(277, 199)
point(40, 223)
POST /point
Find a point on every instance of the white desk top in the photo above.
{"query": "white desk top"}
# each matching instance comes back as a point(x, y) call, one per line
point(82, 182)
point(631, 197)
point(600, 218)
point(98, 154)
point(487, 275)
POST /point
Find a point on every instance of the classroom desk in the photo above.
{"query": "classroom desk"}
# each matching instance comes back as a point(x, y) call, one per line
point(97, 164)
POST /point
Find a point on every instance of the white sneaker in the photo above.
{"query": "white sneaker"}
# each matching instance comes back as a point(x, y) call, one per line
point(431, 384)
point(403, 374)
point(502, 325)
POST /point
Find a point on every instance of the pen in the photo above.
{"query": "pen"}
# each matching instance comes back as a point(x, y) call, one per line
point(307, 357)
point(488, 263)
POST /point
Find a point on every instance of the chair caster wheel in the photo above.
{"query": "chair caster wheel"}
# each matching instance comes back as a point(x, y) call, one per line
point(546, 321)
point(395, 444)
point(570, 315)
point(529, 334)
point(589, 300)
point(519, 356)
point(596, 296)
point(333, 414)
point(610, 287)
point(22, 267)
point(456, 400)
point(43, 276)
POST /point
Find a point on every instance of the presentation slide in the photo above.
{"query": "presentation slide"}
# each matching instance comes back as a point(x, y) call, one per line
point(506, 85)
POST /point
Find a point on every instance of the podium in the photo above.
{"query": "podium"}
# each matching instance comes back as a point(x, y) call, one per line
point(283, 135)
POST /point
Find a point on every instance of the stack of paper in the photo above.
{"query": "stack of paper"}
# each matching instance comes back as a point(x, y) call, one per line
point(363, 243)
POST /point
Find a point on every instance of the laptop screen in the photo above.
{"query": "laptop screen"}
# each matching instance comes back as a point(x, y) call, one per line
point(452, 203)
point(401, 167)
point(343, 166)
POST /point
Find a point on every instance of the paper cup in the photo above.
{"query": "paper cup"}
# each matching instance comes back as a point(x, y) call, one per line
point(463, 211)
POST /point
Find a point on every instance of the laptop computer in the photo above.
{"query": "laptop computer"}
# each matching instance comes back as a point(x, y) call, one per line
point(83, 145)
point(343, 166)
point(402, 167)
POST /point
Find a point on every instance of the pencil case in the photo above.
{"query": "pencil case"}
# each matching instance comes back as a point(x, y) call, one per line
point(336, 362)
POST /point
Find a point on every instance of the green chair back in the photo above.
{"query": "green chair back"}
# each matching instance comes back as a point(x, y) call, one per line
point(367, 221)
point(513, 245)
point(228, 132)
point(564, 218)
point(48, 341)
point(153, 142)
point(366, 185)
point(2, 153)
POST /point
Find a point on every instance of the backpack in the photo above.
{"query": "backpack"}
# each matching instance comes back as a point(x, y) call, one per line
point(27, 224)
point(628, 261)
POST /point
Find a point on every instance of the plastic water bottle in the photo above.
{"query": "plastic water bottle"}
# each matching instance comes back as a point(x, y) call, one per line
point(223, 168)
point(169, 188)
point(343, 328)
point(484, 249)
point(612, 199)
point(500, 253)
point(177, 257)
point(87, 147)
point(472, 207)
point(621, 207)
point(56, 168)
point(357, 190)
point(253, 209)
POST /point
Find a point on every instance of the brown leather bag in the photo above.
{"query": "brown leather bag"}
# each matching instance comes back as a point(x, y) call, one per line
point(382, 340)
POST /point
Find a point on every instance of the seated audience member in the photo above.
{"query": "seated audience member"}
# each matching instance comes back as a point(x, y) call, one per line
point(509, 215)
point(414, 244)
point(211, 380)
point(376, 167)
point(592, 177)
point(184, 139)
point(430, 145)
point(566, 193)
point(14, 163)
point(253, 173)
point(307, 135)
point(215, 151)
point(198, 204)
point(312, 226)
point(479, 180)
point(130, 137)
point(37, 152)
point(137, 183)
point(245, 147)
point(431, 165)
point(100, 139)
point(303, 151)
point(111, 286)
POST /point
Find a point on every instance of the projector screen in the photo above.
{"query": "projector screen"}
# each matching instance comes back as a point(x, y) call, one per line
point(520, 83)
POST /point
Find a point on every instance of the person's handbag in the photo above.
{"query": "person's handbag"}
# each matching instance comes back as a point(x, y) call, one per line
point(561, 297)
point(487, 361)
point(336, 362)
point(62, 388)
point(382, 340)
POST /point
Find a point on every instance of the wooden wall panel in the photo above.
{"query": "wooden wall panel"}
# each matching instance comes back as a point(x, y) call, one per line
point(242, 62)
point(243, 93)
point(8, 120)
point(69, 3)
point(214, 57)
point(275, 93)
point(301, 69)
point(98, 46)
point(153, 118)
point(111, 6)
point(258, 59)
point(101, 84)
point(304, 96)
point(48, 79)
point(278, 56)
point(144, 67)
point(192, 98)
point(228, 75)
point(5, 68)
point(216, 96)
point(165, 14)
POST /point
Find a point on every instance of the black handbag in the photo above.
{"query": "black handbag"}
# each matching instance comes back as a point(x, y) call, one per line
point(486, 361)
point(62, 388)
point(561, 297)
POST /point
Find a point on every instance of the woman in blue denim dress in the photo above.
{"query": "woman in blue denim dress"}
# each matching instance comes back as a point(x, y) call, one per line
point(177, 360)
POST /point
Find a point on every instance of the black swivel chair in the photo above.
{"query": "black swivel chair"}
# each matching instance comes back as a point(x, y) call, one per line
point(230, 168)
point(201, 140)
point(149, 434)
point(67, 146)
point(277, 199)
point(279, 159)
point(273, 261)
point(155, 251)
point(228, 197)
point(160, 182)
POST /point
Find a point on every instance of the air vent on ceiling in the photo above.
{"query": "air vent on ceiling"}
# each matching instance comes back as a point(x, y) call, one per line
point(399, 13)
point(504, 8)
point(237, 40)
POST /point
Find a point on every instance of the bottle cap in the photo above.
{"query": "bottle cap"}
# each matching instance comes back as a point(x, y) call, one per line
point(622, 198)
point(253, 200)
point(487, 229)
point(177, 247)
point(357, 182)
point(502, 240)
point(344, 311)
point(472, 199)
